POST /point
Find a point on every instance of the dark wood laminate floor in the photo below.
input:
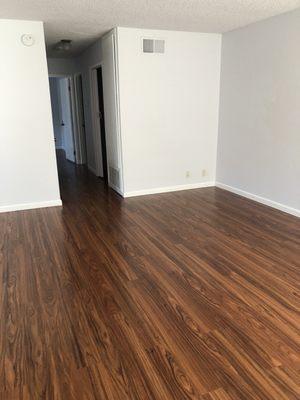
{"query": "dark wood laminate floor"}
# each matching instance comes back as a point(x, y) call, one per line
point(188, 295)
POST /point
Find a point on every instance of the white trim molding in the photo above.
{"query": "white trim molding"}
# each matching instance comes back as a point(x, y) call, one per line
point(259, 199)
point(169, 189)
point(30, 206)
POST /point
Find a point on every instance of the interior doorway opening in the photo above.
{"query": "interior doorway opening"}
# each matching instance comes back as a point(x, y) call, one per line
point(99, 127)
point(102, 122)
point(68, 117)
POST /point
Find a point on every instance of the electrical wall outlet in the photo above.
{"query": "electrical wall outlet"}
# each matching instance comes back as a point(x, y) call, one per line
point(204, 172)
point(187, 174)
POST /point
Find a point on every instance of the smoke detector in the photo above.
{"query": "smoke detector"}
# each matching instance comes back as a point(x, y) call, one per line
point(27, 39)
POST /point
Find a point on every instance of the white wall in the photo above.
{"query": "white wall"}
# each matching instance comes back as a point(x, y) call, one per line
point(169, 109)
point(28, 173)
point(111, 111)
point(259, 138)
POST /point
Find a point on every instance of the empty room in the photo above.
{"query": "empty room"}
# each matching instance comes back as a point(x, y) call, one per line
point(150, 200)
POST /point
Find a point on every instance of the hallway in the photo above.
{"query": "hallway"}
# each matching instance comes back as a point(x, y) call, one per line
point(185, 295)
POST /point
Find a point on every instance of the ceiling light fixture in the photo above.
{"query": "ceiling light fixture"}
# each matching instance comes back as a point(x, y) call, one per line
point(63, 45)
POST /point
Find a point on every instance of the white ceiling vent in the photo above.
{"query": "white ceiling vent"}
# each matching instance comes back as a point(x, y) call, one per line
point(153, 46)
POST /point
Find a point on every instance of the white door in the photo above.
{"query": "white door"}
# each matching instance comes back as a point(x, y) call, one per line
point(66, 119)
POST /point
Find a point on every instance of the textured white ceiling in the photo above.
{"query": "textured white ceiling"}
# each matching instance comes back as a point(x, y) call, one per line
point(83, 21)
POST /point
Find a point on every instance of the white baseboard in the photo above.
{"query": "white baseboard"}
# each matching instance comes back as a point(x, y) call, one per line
point(260, 199)
point(29, 206)
point(169, 189)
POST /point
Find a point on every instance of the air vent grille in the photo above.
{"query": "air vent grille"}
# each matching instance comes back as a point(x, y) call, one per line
point(153, 46)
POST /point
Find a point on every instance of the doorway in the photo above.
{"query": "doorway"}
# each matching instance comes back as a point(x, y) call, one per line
point(99, 128)
point(62, 116)
point(68, 117)
point(102, 122)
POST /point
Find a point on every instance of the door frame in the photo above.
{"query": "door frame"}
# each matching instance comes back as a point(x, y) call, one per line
point(79, 138)
point(95, 119)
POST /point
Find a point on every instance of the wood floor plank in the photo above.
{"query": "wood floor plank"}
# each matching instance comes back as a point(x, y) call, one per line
point(185, 295)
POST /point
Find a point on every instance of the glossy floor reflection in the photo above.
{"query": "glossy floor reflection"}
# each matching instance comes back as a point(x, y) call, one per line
point(186, 295)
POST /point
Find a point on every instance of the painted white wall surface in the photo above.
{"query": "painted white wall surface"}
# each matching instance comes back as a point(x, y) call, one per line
point(28, 172)
point(111, 111)
point(169, 107)
point(56, 114)
point(259, 136)
point(89, 58)
point(62, 66)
